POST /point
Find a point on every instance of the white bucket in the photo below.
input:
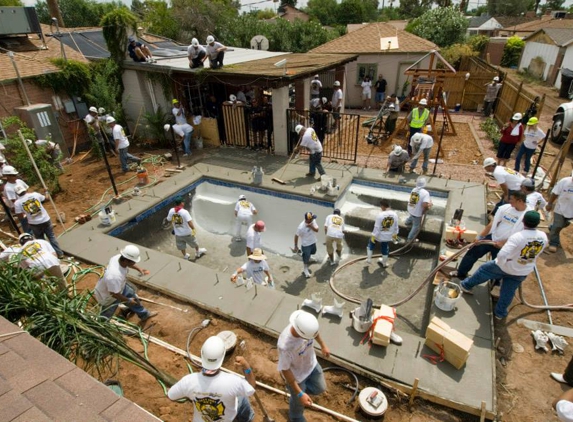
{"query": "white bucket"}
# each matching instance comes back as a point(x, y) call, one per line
point(324, 179)
point(360, 326)
point(107, 219)
point(447, 294)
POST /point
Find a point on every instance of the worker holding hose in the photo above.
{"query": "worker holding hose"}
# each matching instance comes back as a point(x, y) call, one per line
point(385, 230)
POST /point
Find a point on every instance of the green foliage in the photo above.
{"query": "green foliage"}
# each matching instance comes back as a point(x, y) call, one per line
point(552, 5)
point(478, 43)
point(73, 78)
point(154, 127)
point(389, 13)
point(7, 3)
point(355, 11)
point(490, 127)
point(478, 11)
point(200, 18)
point(105, 87)
point(159, 19)
point(443, 26)
point(509, 7)
point(19, 158)
point(414, 8)
point(265, 14)
point(512, 51)
point(76, 13)
point(117, 25)
point(454, 53)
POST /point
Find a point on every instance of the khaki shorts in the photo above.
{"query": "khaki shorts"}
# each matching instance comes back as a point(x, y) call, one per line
point(330, 241)
point(181, 242)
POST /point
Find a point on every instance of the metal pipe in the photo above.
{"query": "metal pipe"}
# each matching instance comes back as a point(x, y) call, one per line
point(536, 271)
point(538, 162)
point(112, 180)
point(11, 55)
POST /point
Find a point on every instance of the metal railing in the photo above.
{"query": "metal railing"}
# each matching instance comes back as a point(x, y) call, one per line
point(245, 129)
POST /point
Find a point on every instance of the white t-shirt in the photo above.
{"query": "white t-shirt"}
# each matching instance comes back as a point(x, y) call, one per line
point(180, 221)
point(315, 86)
point(214, 398)
point(11, 254)
point(253, 238)
point(113, 281)
point(535, 197)
point(336, 97)
point(256, 270)
point(180, 119)
point(92, 121)
point(296, 354)
point(119, 137)
point(386, 226)
point(418, 197)
point(38, 253)
point(310, 140)
point(306, 235)
point(194, 52)
point(427, 142)
point(244, 208)
point(334, 226)
point(518, 255)
point(506, 222)
point(10, 191)
point(366, 87)
point(31, 205)
point(564, 410)
point(532, 137)
point(510, 177)
point(212, 50)
point(564, 203)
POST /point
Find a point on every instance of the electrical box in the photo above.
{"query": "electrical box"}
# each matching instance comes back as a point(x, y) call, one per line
point(19, 20)
point(42, 119)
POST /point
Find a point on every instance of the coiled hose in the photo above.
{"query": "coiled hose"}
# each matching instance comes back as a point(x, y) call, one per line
point(357, 385)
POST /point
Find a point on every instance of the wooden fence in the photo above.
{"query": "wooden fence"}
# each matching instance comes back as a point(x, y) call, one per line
point(469, 93)
point(514, 97)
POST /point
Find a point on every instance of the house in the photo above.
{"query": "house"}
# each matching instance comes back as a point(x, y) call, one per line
point(398, 24)
point(291, 14)
point(483, 25)
point(515, 26)
point(382, 49)
point(545, 51)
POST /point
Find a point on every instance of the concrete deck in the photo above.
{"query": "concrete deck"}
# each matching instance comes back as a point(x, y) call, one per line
point(463, 389)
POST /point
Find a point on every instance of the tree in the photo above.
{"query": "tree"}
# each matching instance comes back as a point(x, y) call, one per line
point(159, 19)
point(512, 51)
point(551, 5)
point(117, 25)
point(323, 10)
point(350, 11)
point(413, 8)
point(478, 11)
point(265, 14)
point(509, 7)
point(8, 3)
point(443, 26)
point(76, 13)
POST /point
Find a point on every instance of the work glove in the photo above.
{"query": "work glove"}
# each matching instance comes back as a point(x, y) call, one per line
point(193, 232)
point(541, 340)
point(557, 342)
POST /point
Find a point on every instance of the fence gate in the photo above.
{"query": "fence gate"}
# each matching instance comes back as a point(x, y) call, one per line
point(340, 143)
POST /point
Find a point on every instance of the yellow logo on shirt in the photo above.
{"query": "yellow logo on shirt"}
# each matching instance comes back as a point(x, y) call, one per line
point(211, 410)
point(177, 220)
point(337, 221)
point(32, 206)
point(414, 198)
point(510, 171)
point(32, 249)
point(530, 251)
point(314, 137)
point(387, 223)
point(244, 204)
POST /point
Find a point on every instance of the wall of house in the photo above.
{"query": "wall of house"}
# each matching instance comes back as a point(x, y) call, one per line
point(567, 64)
point(392, 66)
point(494, 50)
point(539, 49)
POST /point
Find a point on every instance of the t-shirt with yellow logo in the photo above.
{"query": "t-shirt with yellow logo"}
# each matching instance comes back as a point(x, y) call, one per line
point(334, 226)
point(518, 255)
point(180, 221)
point(418, 197)
point(31, 205)
point(386, 226)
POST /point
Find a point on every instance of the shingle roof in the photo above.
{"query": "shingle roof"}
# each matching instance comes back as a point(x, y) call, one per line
point(477, 21)
point(560, 36)
point(507, 21)
point(538, 24)
point(367, 40)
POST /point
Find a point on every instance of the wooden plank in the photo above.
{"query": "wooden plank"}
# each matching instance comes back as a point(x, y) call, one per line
point(555, 329)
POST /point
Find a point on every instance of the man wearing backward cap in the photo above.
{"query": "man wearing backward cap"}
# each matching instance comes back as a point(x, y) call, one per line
point(306, 231)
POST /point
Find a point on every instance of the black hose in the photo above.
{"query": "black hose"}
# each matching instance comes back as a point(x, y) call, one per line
point(337, 368)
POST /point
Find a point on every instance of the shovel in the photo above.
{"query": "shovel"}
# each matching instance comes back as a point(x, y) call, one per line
point(266, 417)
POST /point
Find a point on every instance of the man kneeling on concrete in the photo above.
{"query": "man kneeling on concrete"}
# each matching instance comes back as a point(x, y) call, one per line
point(216, 395)
point(112, 289)
point(397, 159)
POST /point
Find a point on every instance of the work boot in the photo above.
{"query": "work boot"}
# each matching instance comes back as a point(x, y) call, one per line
point(369, 255)
point(306, 271)
point(395, 338)
point(200, 253)
point(385, 261)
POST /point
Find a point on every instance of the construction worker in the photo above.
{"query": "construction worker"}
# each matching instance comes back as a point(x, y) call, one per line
point(534, 200)
point(112, 288)
point(254, 236)
point(336, 104)
point(256, 268)
point(514, 262)
point(105, 129)
point(196, 54)
point(244, 211)
point(531, 138)
point(181, 127)
point(310, 141)
point(392, 104)
point(511, 135)
point(12, 182)
point(421, 143)
point(215, 53)
point(385, 230)
point(508, 179)
point(491, 91)
point(216, 395)
point(257, 122)
point(298, 364)
point(306, 231)
point(334, 231)
point(53, 151)
point(39, 256)
point(561, 203)
point(418, 204)
point(315, 87)
point(397, 159)
point(184, 229)
point(3, 163)
point(29, 206)
point(318, 117)
point(507, 221)
point(121, 145)
point(139, 52)
point(417, 119)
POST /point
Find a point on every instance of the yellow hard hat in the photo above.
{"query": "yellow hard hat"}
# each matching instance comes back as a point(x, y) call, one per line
point(174, 101)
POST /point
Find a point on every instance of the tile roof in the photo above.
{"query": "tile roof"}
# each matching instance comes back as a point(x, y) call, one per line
point(560, 36)
point(366, 40)
point(30, 56)
point(37, 384)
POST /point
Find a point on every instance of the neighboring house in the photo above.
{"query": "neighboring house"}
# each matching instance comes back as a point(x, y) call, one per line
point(483, 25)
point(512, 25)
point(371, 44)
point(398, 24)
point(545, 51)
point(292, 13)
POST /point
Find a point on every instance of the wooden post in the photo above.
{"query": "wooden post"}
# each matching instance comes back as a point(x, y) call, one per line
point(413, 394)
point(516, 99)
point(562, 156)
point(482, 415)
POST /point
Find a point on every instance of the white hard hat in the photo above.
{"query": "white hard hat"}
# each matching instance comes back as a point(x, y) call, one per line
point(305, 324)
point(517, 116)
point(131, 252)
point(109, 120)
point(420, 182)
point(298, 128)
point(93, 109)
point(336, 83)
point(213, 353)
point(397, 150)
point(423, 101)
point(2, 159)
point(417, 138)
point(210, 39)
point(101, 110)
point(324, 100)
point(25, 237)
point(20, 189)
point(489, 162)
point(315, 102)
point(496, 79)
point(195, 42)
point(232, 98)
point(241, 197)
point(9, 171)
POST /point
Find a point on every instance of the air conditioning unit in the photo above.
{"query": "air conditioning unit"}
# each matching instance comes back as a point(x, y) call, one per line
point(19, 20)
point(42, 119)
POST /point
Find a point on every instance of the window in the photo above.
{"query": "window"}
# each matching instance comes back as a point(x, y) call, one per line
point(370, 69)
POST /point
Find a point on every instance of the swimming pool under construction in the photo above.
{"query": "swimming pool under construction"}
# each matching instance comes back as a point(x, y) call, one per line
point(211, 191)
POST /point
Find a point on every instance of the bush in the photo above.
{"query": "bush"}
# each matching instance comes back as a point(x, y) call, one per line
point(492, 130)
point(154, 127)
point(443, 26)
point(512, 51)
point(454, 53)
point(478, 43)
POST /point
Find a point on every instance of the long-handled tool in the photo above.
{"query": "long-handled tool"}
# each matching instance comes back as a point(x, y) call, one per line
point(279, 179)
point(266, 417)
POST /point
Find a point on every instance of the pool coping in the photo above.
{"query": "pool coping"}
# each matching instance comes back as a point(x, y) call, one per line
point(441, 384)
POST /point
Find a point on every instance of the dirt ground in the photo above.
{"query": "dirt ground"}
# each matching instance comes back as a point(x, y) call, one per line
point(86, 182)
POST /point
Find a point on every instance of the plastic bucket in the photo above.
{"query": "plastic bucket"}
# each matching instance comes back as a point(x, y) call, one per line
point(447, 294)
point(324, 179)
point(142, 178)
point(358, 324)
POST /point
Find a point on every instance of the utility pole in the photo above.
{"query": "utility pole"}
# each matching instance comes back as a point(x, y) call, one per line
point(54, 10)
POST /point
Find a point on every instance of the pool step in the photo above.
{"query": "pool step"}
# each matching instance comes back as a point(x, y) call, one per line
point(398, 201)
point(357, 240)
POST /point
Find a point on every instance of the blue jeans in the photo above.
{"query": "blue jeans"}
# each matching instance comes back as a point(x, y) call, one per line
point(25, 225)
point(415, 222)
point(475, 253)
point(244, 411)
point(384, 247)
point(413, 131)
point(187, 142)
point(380, 97)
point(528, 154)
point(314, 163)
point(47, 229)
point(128, 292)
point(414, 163)
point(491, 271)
point(125, 157)
point(307, 251)
point(559, 223)
point(313, 384)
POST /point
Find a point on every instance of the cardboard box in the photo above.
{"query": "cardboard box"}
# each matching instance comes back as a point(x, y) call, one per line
point(455, 346)
point(469, 235)
point(383, 327)
point(454, 233)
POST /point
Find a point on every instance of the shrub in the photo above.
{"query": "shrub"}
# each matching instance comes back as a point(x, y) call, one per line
point(512, 51)
point(478, 43)
point(492, 130)
point(454, 53)
point(443, 26)
point(154, 127)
